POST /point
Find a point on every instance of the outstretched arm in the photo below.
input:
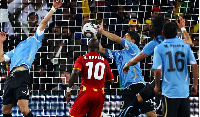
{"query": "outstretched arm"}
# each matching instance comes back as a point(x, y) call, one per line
point(134, 61)
point(2, 39)
point(55, 6)
point(101, 49)
point(109, 35)
point(181, 25)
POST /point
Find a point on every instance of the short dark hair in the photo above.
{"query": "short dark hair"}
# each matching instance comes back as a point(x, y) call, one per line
point(134, 36)
point(93, 42)
point(170, 30)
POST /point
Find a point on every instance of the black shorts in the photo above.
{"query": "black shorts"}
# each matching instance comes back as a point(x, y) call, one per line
point(129, 94)
point(148, 93)
point(17, 86)
point(176, 107)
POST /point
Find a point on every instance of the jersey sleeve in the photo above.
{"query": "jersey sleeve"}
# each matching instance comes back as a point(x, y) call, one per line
point(110, 53)
point(78, 63)
point(39, 35)
point(149, 48)
point(131, 47)
point(191, 59)
point(157, 60)
point(109, 74)
point(8, 55)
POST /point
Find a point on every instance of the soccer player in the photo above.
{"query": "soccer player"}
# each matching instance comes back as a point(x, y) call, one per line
point(171, 57)
point(17, 85)
point(133, 82)
point(148, 92)
point(94, 70)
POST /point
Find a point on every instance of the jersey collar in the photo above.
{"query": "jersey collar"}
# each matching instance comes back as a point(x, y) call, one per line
point(171, 40)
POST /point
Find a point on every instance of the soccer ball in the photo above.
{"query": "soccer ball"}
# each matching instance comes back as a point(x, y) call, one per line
point(89, 30)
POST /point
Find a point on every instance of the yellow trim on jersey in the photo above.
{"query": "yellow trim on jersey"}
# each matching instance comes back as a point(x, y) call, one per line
point(165, 107)
point(135, 73)
point(71, 115)
point(95, 90)
point(103, 90)
point(29, 57)
point(77, 68)
point(84, 88)
point(110, 80)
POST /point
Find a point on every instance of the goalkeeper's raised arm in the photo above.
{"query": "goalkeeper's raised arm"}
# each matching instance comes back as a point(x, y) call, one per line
point(55, 6)
point(109, 35)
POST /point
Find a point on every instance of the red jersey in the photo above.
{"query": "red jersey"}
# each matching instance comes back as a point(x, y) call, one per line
point(94, 69)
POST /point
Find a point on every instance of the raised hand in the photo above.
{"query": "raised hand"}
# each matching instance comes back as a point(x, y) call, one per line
point(57, 4)
point(182, 22)
point(100, 28)
point(2, 37)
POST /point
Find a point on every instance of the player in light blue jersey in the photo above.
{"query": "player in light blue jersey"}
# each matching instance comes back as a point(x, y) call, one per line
point(133, 82)
point(171, 57)
point(148, 92)
point(17, 85)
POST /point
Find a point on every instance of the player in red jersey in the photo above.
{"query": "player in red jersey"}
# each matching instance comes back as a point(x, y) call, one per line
point(94, 71)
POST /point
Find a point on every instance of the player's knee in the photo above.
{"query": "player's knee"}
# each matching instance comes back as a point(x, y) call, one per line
point(139, 98)
point(24, 111)
point(151, 114)
point(6, 110)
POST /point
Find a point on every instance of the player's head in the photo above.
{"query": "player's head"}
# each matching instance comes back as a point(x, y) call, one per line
point(170, 30)
point(93, 45)
point(158, 23)
point(132, 37)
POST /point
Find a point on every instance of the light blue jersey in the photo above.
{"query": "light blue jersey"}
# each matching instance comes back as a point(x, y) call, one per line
point(24, 53)
point(172, 57)
point(149, 48)
point(122, 57)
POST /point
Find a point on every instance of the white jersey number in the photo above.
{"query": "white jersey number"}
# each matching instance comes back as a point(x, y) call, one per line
point(96, 70)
